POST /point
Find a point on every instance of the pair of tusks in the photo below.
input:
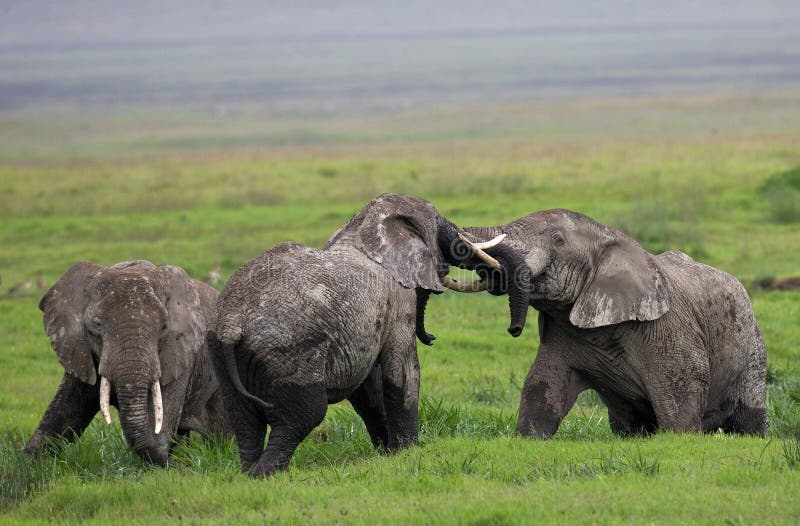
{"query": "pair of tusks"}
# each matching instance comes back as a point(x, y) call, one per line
point(478, 250)
point(158, 406)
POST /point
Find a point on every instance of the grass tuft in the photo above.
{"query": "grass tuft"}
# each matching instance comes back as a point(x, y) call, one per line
point(782, 193)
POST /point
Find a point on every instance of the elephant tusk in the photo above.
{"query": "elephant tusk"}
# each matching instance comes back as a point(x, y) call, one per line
point(158, 407)
point(486, 245)
point(463, 286)
point(105, 395)
point(489, 260)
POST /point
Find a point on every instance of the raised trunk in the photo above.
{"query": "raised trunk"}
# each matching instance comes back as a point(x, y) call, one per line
point(133, 399)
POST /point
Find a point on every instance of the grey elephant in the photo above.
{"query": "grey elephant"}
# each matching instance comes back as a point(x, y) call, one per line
point(667, 343)
point(300, 328)
point(132, 336)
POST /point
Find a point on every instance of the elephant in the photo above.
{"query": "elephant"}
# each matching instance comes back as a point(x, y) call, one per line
point(666, 342)
point(300, 328)
point(139, 329)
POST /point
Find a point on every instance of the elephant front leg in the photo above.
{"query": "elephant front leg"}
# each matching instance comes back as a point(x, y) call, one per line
point(678, 410)
point(367, 400)
point(549, 392)
point(400, 372)
point(68, 415)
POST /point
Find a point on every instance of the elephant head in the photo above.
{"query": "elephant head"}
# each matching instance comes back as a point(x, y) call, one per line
point(417, 246)
point(136, 328)
point(599, 274)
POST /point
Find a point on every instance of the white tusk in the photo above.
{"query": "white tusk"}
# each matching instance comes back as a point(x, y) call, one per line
point(158, 406)
point(489, 260)
point(105, 395)
point(485, 245)
point(463, 286)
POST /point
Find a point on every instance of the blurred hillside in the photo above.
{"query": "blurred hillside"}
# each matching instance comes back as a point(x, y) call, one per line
point(309, 59)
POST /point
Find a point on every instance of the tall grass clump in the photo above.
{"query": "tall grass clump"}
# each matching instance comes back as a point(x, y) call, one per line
point(782, 193)
point(661, 223)
point(20, 475)
point(437, 419)
point(783, 403)
point(101, 453)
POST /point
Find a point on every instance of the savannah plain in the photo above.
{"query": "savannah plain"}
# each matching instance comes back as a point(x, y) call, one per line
point(199, 155)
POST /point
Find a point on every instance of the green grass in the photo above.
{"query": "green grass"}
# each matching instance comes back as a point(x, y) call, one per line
point(701, 194)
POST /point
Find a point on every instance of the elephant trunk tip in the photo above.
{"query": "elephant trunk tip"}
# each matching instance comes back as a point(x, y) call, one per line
point(515, 330)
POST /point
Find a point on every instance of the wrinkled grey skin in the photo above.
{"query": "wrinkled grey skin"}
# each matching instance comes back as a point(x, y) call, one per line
point(300, 328)
point(133, 323)
point(667, 343)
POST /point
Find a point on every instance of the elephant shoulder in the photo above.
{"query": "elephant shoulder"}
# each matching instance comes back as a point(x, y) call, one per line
point(690, 275)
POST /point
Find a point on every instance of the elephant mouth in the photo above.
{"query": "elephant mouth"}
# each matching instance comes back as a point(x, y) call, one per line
point(155, 399)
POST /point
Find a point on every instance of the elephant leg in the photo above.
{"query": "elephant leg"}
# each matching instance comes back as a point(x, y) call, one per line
point(300, 408)
point(629, 418)
point(747, 420)
point(367, 400)
point(68, 415)
point(676, 382)
point(549, 392)
point(677, 407)
point(750, 414)
point(238, 416)
point(400, 377)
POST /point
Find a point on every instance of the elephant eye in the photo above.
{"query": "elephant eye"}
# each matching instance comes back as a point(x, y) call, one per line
point(558, 239)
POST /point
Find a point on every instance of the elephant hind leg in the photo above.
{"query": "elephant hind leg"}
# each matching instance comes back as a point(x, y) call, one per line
point(750, 414)
point(747, 421)
point(298, 410)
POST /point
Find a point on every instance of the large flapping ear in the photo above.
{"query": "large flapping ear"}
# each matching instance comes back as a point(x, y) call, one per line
point(63, 307)
point(185, 330)
point(627, 285)
point(400, 233)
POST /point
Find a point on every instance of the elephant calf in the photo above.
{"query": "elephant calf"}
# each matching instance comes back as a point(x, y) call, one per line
point(300, 328)
point(667, 343)
point(140, 330)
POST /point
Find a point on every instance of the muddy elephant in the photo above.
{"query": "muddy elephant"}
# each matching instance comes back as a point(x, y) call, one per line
point(667, 343)
point(133, 336)
point(300, 328)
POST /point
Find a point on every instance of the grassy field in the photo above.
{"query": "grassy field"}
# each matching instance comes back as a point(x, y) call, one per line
point(727, 196)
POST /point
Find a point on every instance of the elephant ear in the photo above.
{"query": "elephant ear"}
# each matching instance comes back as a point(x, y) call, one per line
point(184, 334)
point(63, 307)
point(400, 233)
point(627, 285)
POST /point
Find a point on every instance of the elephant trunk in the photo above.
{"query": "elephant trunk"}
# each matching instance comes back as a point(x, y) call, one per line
point(133, 399)
point(422, 302)
point(513, 277)
point(130, 366)
point(518, 281)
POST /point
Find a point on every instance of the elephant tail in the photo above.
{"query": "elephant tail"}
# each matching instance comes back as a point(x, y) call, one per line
point(229, 355)
point(229, 333)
